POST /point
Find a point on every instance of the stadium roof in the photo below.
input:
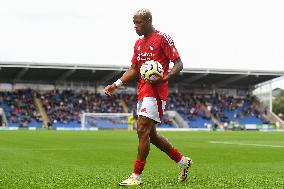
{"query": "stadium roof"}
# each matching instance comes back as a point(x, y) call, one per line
point(51, 73)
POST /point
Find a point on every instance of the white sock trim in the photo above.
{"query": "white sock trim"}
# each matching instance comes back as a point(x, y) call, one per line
point(181, 162)
point(136, 175)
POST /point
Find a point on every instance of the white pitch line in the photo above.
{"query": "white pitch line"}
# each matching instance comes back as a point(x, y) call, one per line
point(245, 144)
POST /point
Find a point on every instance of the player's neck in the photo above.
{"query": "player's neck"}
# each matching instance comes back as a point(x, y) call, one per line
point(150, 32)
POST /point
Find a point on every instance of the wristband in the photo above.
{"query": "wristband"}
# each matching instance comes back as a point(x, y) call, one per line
point(118, 83)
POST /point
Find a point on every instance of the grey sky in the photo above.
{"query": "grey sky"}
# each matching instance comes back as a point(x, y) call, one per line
point(233, 34)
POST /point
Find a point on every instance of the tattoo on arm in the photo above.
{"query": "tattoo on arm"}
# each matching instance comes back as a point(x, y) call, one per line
point(178, 66)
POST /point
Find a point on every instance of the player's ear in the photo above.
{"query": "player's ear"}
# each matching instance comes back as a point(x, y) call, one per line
point(149, 20)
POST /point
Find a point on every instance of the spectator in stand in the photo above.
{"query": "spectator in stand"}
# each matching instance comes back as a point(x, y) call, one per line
point(21, 106)
point(64, 107)
point(1, 115)
point(1, 120)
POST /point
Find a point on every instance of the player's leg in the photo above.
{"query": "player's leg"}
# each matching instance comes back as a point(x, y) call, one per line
point(164, 145)
point(160, 141)
point(144, 125)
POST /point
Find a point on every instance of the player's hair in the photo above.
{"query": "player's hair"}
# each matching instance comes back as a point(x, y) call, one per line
point(145, 13)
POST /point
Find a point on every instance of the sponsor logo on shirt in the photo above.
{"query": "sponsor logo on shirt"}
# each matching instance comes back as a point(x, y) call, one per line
point(145, 56)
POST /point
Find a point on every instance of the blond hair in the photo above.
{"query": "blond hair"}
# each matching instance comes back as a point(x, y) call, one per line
point(145, 13)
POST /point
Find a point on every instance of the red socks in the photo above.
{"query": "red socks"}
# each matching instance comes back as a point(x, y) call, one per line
point(175, 155)
point(139, 166)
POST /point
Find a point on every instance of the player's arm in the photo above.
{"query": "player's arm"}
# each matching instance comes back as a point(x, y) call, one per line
point(127, 76)
point(178, 66)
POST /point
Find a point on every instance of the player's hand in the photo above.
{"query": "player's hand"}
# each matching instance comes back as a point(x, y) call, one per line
point(109, 90)
point(159, 79)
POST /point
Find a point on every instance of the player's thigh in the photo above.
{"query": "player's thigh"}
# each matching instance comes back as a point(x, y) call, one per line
point(153, 132)
point(145, 125)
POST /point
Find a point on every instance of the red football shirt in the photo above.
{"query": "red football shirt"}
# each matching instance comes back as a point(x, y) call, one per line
point(159, 47)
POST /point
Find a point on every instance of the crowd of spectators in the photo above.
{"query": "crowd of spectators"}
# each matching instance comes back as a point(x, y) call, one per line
point(20, 107)
point(66, 106)
point(233, 110)
point(226, 109)
point(188, 105)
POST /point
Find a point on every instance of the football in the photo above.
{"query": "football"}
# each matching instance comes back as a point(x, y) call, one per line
point(150, 70)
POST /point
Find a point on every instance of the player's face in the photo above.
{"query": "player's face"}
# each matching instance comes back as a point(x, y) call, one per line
point(140, 25)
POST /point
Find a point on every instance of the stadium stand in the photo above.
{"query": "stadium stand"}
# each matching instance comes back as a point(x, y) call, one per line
point(20, 109)
point(64, 108)
point(203, 98)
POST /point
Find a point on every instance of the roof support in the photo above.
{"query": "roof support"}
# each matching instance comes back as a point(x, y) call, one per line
point(21, 74)
point(110, 76)
point(65, 75)
point(195, 77)
point(231, 80)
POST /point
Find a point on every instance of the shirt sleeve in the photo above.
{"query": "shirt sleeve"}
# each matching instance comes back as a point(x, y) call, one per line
point(169, 48)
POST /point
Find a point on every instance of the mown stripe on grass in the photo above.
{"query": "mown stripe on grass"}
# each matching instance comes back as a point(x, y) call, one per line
point(245, 144)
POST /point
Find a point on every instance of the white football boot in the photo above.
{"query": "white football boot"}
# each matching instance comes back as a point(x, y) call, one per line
point(133, 180)
point(184, 169)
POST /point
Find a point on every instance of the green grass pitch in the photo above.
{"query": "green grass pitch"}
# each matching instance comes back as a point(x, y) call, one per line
point(100, 159)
